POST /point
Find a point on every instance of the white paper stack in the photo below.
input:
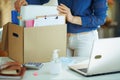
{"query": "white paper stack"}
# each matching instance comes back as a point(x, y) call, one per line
point(49, 20)
point(31, 11)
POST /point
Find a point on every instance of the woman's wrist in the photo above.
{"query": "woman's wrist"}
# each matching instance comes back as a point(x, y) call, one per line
point(70, 19)
point(76, 20)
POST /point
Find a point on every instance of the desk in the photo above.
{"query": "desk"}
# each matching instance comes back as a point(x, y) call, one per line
point(66, 74)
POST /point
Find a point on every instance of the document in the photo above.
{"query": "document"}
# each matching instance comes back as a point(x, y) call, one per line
point(30, 12)
point(49, 20)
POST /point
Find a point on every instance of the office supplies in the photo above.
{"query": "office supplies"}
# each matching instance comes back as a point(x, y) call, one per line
point(33, 65)
point(49, 20)
point(30, 12)
point(29, 23)
point(104, 58)
point(20, 76)
point(11, 70)
point(14, 15)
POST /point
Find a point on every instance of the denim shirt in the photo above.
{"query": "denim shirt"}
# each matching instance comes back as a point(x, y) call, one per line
point(92, 12)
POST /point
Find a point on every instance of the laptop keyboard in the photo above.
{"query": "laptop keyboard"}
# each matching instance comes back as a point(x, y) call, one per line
point(83, 70)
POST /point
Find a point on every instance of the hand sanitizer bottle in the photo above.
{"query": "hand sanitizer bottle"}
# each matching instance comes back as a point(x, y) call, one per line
point(55, 64)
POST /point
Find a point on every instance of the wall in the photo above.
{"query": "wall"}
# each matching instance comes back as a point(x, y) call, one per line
point(5, 11)
point(117, 18)
point(113, 29)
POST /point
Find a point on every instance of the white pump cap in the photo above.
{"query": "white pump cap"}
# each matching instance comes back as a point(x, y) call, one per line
point(55, 54)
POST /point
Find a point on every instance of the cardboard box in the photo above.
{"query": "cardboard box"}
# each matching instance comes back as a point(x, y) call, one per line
point(4, 41)
point(35, 44)
point(0, 19)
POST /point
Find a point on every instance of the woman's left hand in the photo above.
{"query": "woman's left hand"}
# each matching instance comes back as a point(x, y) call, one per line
point(65, 10)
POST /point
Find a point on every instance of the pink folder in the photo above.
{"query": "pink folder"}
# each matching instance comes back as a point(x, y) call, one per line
point(29, 23)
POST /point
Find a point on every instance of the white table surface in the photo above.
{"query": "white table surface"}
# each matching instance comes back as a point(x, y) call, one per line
point(66, 74)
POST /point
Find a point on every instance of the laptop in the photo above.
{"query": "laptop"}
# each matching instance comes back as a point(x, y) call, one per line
point(104, 59)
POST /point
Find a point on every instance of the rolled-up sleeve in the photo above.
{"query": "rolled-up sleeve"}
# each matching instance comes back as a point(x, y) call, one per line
point(99, 14)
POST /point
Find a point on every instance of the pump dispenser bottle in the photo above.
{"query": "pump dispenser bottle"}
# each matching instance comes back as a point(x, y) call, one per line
point(55, 64)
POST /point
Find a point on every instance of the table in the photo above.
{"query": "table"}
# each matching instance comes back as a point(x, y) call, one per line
point(66, 74)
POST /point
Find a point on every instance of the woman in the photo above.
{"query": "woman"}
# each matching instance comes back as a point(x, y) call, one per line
point(84, 17)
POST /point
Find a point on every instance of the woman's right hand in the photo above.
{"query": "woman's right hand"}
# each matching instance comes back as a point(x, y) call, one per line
point(19, 3)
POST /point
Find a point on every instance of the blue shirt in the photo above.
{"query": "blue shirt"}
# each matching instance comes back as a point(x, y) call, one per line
point(92, 13)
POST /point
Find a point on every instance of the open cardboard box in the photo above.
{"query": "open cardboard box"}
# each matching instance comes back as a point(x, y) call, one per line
point(34, 44)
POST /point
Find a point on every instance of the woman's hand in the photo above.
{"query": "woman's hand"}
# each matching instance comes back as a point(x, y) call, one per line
point(19, 3)
point(65, 10)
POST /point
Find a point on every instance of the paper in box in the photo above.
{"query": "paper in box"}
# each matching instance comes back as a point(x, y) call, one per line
point(35, 44)
point(30, 12)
